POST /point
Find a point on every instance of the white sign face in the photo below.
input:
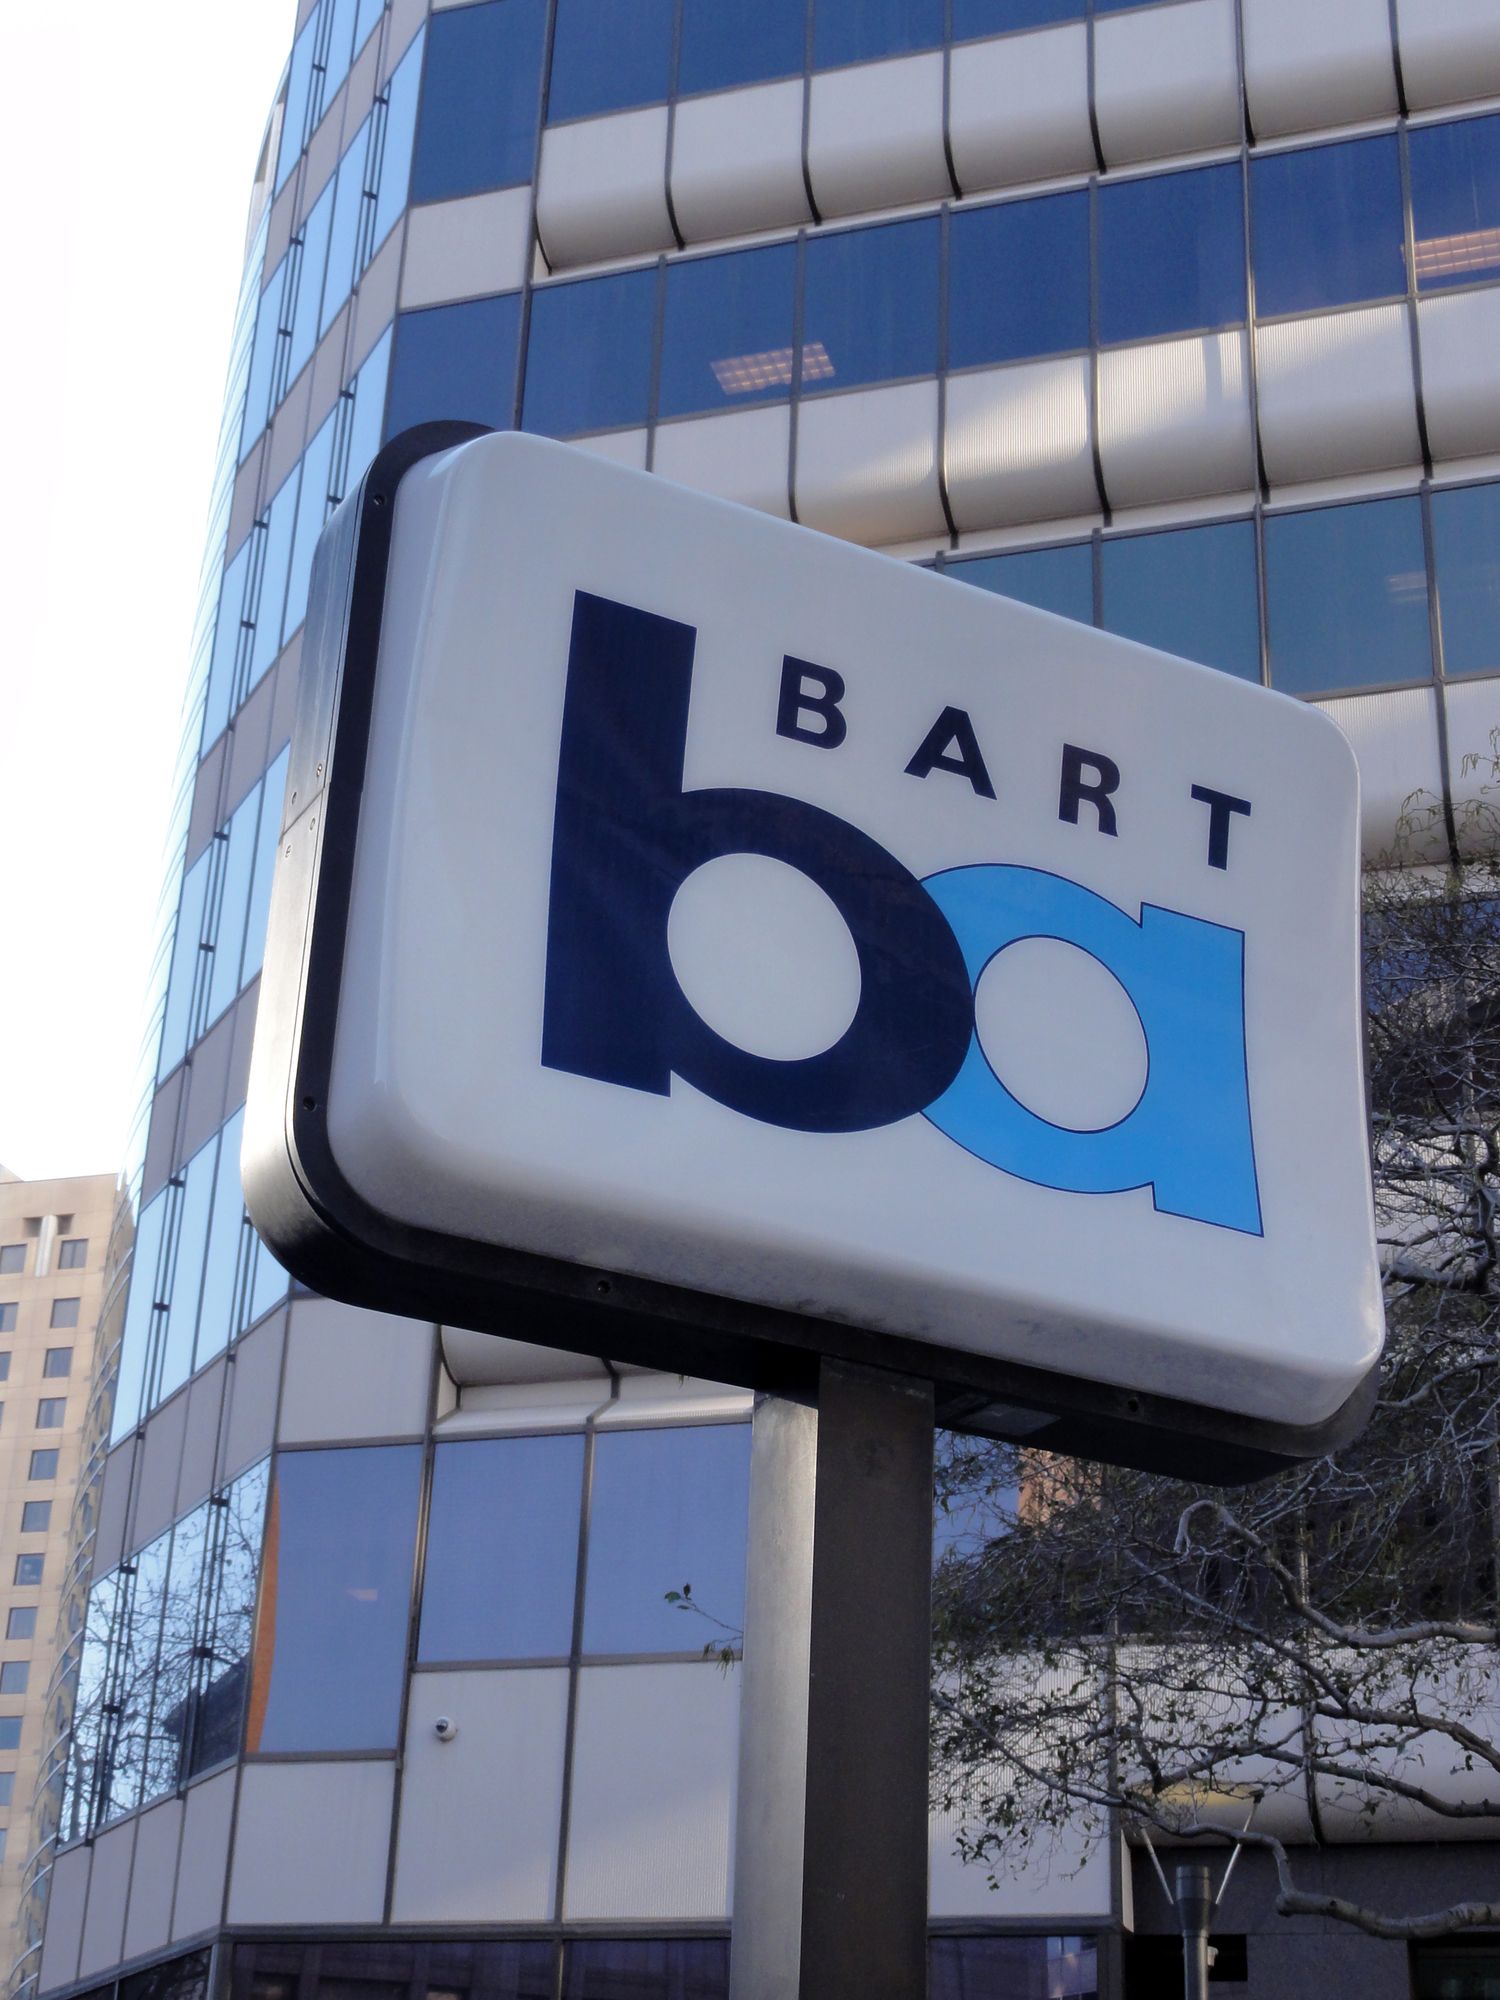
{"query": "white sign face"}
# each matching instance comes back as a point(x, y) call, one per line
point(735, 909)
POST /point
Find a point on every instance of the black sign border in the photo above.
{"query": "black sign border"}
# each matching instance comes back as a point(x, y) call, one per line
point(335, 1243)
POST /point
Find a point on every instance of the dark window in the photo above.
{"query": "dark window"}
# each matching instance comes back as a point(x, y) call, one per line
point(972, 18)
point(28, 1570)
point(8, 1317)
point(727, 331)
point(1455, 203)
point(588, 358)
point(49, 1413)
point(1466, 550)
point(502, 1549)
point(995, 1968)
point(58, 1361)
point(14, 1674)
point(1326, 226)
point(870, 313)
point(639, 1969)
point(72, 1253)
point(608, 58)
point(1171, 254)
point(10, 1732)
point(350, 1969)
point(1018, 280)
point(64, 1313)
point(339, 1561)
point(480, 93)
point(849, 31)
point(36, 1517)
point(7, 1787)
point(1456, 1969)
point(6, 1327)
point(727, 42)
point(668, 1513)
point(1060, 580)
point(20, 1622)
point(1153, 1965)
point(179, 1979)
point(44, 1464)
point(1346, 597)
point(12, 1259)
point(1191, 591)
point(455, 361)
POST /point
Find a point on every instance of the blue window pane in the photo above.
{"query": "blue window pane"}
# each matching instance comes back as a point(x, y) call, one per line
point(849, 31)
point(1466, 550)
point(1455, 201)
point(588, 358)
point(668, 1509)
point(273, 799)
point(479, 99)
point(194, 1206)
point(343, 234)
point(606, 58)
point(338, 1561)
point(299, 81)
point(225, 1255)
point(305, 318)
point(263, 359)
point(369, 413)
point(1346, 597)
point(184, 980)
point(1326, 227)
point(395, 151)
point(1171, 254)
point(1191, 592)
point(1060, 580)
point(369, 13)
point(502, 1549)
point(278, 521)
point(178, 1662)
point(133, 1679)
point(455, 361)
point(140, 1315)
point(234, 897)
point(221, 1700)
point(312, 512)
point(221, 674)
point(614, 1968)
point(1018, 280)
point(727, 331)
point(871, 305)
point(972, 18)
point(726, 42)
point(268, 1285)
point(340, 48)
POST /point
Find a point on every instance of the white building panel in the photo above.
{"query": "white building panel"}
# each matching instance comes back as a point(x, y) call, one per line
point(619, 447)
point(742, 455)
point(875, 136)
point(67, 1893)
point(649, 1829)
point(1310, 66)
point(148, 1922)
point(1395, 740)
point(1336, 394)
point(254, 1383)
point(1017, 444)
point(1174, 419)
point(1459, 335)
point(203, 1863)
point(465, 249)
point(867, 464)
point(1065, 1880)
point(353, 1374)
point(1449, 51)
point(109, 1886)
point(1166, 80)
point(1018, 109)
point(737, 162)
point(310, 1843)
point(602, 188)
point(480, 1813)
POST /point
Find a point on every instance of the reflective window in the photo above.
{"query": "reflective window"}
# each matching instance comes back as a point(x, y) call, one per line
point(275, 527)
point(1466, 552)
point(12, 1259)
point(667, 1513)
point(140, 1314)
point(1171, 254)
point(588, 358)
point(58, 1360)
point(236, 841)
point(189, 964)
point(346, 231)
point(726, 42)
point(229, 1618)
point(132, 1678)
point(634, 1968)
point(1059, 580)
point(299, 84)
point(1326, 226)
point(265, 355)
point(400, 119)
point(993, 1968)
point(50, 1412)
point(64, 1312)
point(194, 1189)
point(14, 1675)
point(339, 1547)
point(178, 1655)
point(20, 1622)
point(1018, 280)
point(395, 1968)
point(1191, 592)
point(1455, 202)
point(29, 1570)
point(43, 1464)
point(479, 99)
point(230, 642)
point(502, 1548)
point(727, 331)
point(368, 389)
point(606, 58)
point(313, 264)
point(1346, 597)
point(267, 837)
point(870, 312)
point(36, 1517)
point(455, 361)
point(10, 1732)
point(850, 31)
point(972, 18)
point(313, 509)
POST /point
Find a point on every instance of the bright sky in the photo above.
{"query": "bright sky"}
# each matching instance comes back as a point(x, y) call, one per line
point(129, 140)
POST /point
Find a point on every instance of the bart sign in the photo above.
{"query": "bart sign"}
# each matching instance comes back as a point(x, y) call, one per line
point(708, 943)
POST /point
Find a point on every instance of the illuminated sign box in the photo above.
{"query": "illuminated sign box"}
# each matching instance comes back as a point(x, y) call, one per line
point(703, 942)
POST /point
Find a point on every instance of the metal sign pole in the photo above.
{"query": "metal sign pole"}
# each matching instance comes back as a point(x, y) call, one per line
point(830, 1893)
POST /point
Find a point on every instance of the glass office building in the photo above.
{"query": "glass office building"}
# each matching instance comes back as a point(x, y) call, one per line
point(1180, 318)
